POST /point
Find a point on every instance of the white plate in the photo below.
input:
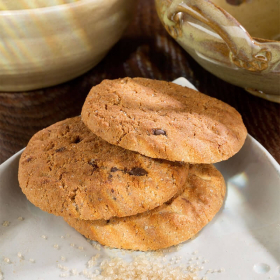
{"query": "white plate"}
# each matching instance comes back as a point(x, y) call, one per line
point(243, 238)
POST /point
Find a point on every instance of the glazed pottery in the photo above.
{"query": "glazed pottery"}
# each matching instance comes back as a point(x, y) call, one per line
point(239, 44)
point(45, 46)
point(7, 5)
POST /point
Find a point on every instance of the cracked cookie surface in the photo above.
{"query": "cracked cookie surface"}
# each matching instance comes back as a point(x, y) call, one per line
point(164, 120)
point(67, 170)
point(171, 223)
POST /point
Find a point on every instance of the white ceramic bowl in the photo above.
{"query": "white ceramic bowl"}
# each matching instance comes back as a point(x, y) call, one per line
point(239, 44)
point(45, 46)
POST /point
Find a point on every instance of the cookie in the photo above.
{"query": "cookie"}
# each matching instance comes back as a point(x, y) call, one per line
point(67, 170)
point(170, 224)
point(164, 120)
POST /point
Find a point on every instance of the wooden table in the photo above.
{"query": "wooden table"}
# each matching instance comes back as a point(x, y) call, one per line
point(146, 50)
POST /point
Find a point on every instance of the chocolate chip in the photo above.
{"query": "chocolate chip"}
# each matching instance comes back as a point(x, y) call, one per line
point(159, 132)
point(110, 176)
point(60, 149)
point(112, 191)
point(108, 221)
point(93, 164)
point(29, 159)
point(137, 171)
point(77, 140)
point(114, 169)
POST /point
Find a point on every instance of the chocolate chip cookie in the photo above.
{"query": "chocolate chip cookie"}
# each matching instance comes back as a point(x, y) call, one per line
point(171, 223)
point(67, 170)
point(164, 120)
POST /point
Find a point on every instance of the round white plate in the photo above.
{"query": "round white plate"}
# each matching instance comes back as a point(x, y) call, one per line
point(243, 238)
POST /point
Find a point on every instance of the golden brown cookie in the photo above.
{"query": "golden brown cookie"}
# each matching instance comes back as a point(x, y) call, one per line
point(164, 120)
point(170, 224)
point(67, 170)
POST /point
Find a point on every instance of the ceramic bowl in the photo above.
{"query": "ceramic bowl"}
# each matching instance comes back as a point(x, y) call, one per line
point(45, 46)
point(239, 44)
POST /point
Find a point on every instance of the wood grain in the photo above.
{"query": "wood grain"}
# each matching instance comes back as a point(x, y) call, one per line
point(146, 50)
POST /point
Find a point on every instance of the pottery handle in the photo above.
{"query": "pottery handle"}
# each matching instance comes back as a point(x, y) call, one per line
point(244, 51)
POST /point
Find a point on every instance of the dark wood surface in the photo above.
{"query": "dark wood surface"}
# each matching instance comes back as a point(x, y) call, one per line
point(145, 50)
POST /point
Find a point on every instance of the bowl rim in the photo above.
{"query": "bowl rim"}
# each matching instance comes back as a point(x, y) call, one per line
point(48, 9)
point(262, 40)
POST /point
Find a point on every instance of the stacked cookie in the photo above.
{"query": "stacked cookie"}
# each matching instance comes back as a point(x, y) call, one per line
point(135, 170)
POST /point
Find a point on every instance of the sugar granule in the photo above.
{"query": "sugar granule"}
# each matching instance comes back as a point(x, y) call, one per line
point(63, 275)
point(142, 267)
point(7, 260)
point(5, 223)
point(92, 261)
point(62, 267)
point(19, 254)
point(74, 272)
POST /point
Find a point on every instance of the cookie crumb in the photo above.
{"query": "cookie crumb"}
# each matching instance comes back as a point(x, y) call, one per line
point(20, 218)
point(44, 236)
point(32, 260)
point(63, 258)
point(56, 246)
